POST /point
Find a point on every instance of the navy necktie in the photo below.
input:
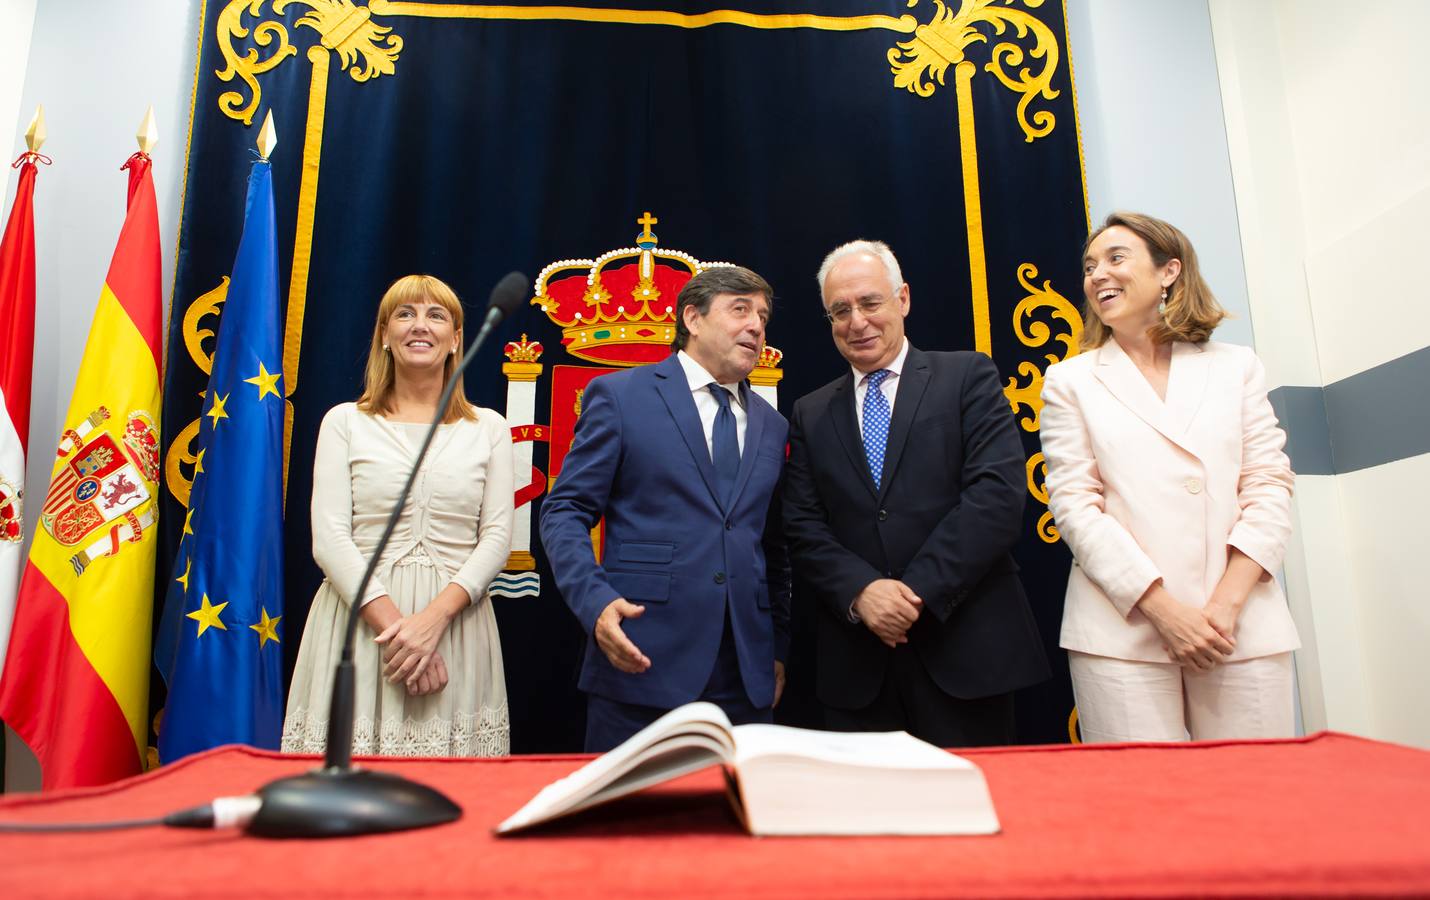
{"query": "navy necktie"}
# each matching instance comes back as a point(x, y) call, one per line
point(724, 443)
point(876, 423)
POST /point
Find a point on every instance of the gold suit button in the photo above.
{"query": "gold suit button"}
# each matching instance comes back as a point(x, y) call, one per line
point(1193, 486)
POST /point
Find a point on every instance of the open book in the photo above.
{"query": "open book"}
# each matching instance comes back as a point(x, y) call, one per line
point(785, 780)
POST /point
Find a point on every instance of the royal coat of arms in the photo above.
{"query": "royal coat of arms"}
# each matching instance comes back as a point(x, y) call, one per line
point(102, 494)
point(12, 517)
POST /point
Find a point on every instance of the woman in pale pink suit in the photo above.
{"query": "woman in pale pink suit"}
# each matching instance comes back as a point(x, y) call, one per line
point(1167, 480)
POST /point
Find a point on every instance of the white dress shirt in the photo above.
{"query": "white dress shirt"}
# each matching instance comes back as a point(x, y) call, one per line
point(706, 404)
point(889, 388)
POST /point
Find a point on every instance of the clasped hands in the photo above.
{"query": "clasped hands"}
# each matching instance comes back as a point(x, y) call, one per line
point(1198, 639)
point(888, 608)
point(626, 656)
point(409, 644)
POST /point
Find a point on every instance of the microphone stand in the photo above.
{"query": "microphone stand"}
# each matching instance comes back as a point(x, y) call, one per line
point(338, 799)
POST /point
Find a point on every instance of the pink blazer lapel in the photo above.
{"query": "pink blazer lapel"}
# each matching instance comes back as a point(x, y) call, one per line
point(1186, 388)
point(1186, 384)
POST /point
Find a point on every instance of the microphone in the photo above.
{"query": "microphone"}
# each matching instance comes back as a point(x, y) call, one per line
point(505, 298)
point(338, 800)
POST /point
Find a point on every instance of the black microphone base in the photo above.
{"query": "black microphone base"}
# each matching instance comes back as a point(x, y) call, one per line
point(341, 802)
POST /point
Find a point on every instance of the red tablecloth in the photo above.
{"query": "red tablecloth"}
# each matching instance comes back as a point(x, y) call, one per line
point(1329, 814)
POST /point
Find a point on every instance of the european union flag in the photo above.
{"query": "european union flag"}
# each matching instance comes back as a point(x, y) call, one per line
point(219, 643)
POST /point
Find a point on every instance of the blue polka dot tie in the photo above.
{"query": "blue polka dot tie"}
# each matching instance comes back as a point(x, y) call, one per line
point(724, 443)
point(876, 423)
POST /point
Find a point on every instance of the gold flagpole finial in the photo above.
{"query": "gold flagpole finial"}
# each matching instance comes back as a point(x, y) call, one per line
point(267, 137)
point(35, 134)
point(148, 134)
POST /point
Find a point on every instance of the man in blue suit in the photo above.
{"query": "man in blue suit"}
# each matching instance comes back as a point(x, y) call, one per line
point(684, 460)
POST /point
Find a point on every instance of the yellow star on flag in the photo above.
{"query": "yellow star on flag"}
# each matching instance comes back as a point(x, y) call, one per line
point(199, 462)
point(267, 629)
point(207, 616)
point(216, 411)
point(188, 522)
point(265, 381)
point(184, 578)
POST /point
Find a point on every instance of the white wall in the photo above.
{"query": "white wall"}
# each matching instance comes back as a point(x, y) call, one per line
point(1330, 148)
point(17, 18)
point(1152, 130)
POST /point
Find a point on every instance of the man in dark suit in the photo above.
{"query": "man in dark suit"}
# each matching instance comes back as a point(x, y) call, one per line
point(903, 497)
point(683, 460)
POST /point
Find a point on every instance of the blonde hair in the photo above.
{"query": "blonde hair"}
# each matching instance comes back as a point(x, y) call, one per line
point(380, 379)
point(1192, 312)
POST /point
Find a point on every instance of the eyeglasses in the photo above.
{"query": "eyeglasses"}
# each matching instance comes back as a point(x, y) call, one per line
point(839, 313)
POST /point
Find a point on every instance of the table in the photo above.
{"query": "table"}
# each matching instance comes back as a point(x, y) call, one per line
point(1326, 814)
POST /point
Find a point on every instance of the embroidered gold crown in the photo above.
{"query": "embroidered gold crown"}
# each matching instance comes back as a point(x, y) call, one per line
point(523, 351)
point(619, 308)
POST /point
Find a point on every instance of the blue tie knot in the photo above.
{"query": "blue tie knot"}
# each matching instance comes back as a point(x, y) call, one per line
point(722, 396)
point(874, 379)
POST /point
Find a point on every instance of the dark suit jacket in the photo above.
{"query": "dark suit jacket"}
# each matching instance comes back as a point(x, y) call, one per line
point(640, 460)
point(944, 521)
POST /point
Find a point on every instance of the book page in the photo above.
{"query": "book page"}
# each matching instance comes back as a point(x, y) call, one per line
point(882, 750)
point(799, 782)
point(684, 740)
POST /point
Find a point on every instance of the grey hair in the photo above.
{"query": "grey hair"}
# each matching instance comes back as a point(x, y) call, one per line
point(876, 249)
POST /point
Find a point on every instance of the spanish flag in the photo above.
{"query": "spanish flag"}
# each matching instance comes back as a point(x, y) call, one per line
point(75, 685)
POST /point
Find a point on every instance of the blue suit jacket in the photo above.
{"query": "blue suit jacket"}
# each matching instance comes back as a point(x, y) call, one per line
point(640, 459)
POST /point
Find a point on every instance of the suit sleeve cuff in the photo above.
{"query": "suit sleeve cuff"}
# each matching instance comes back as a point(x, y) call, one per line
point(1130, 588)
point(1260, 552)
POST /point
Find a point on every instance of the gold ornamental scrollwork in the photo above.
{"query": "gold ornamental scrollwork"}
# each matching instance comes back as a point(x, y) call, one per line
point(1033, 320)
point(365, 48)
point(1033, 331)
point(195, 334)
point(181, 459)
point(1037, 486)
point(349, 31)
point(248, 66)
point(917, 63)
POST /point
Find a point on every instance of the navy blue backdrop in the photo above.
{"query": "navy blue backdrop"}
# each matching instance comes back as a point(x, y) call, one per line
point(465, 140)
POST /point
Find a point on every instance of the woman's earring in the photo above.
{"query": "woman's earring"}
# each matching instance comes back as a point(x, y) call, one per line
point(1162, 306)
point(385, 350)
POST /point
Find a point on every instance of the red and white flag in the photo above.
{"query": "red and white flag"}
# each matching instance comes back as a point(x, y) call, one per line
point(17, 351)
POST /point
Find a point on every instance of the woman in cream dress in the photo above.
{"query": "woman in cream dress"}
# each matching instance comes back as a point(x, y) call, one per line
point(429, 666)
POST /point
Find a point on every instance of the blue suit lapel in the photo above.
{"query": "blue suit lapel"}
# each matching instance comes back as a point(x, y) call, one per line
point(670, 383)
